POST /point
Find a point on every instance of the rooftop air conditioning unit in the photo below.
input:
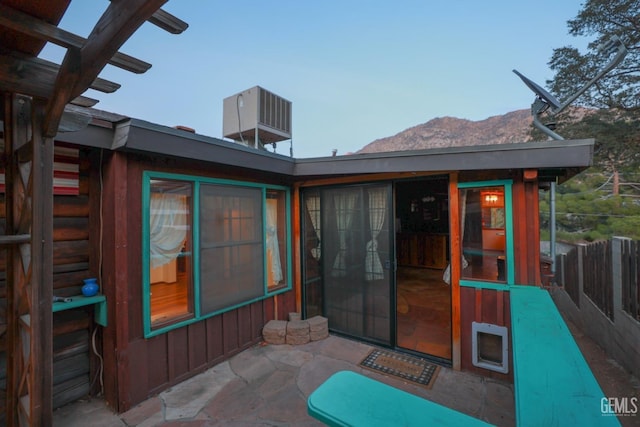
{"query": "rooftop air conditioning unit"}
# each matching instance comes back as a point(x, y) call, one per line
point(256, 117)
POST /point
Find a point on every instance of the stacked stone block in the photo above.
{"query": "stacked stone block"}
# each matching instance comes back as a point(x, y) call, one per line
point(318, 328)
point(275, 332)
point(295, 331)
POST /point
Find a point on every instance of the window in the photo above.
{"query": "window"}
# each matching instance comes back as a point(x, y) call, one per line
point(210, 246)
point(170, 258)
point(485, 232)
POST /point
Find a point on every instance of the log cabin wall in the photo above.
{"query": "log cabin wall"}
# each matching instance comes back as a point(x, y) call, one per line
point(139, 367)
point(74, 365)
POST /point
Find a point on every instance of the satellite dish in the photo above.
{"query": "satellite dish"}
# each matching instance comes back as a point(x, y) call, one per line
point(540, 92)
point(614, 45)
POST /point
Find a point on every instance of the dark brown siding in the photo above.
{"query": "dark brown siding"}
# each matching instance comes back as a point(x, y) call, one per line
point(487, 306)
point(526, 232)
point(146, 366)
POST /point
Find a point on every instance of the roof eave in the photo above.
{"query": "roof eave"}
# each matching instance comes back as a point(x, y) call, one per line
point(530, 155)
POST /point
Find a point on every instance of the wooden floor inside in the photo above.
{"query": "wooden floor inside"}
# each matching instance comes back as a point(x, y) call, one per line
point(169, 301)
point(423, 311)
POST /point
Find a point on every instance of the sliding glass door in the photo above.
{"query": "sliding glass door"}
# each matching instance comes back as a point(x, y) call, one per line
point(348, 272)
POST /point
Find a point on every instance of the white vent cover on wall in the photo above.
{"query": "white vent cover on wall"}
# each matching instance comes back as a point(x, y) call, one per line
point(256, 117)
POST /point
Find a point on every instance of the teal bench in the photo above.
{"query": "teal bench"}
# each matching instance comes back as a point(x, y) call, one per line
point(351, 399)
point(554, 385)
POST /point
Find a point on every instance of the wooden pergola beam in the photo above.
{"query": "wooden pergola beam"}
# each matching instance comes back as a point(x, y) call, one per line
point(168, 22)
point(28, 25)
point(36, 77)
point(121, 19)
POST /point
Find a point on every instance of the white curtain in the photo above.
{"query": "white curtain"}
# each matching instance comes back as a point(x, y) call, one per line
point(446, 276)
point(377, 212)
point(344, 205)
point(313, 207)
point(167, 227)
point(273, 250)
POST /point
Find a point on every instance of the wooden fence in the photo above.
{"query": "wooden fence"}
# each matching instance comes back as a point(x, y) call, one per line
point(599, 289)
point(630, 269)
point(591, 265)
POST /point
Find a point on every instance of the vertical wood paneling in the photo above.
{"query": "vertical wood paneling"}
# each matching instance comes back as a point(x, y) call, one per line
point(244, 326)
point(258, 319)
point(116, 281)
point(174, 356)
point(197, 348)
point(139, 388)
point(269, 308)
point(483, 305)
point(156, 356)
point(533, 233)
point(519, 232)
point(230, 331)
point(214, 338)
point(178, 354)
point(134, 247)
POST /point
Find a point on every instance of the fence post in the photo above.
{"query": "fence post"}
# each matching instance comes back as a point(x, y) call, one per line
point(617, 244)
point(581, 249)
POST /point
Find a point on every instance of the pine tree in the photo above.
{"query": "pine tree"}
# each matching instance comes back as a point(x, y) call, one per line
point(620, 88)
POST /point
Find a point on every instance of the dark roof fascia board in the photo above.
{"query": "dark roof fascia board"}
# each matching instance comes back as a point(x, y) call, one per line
point(139, 135)
point(526, 155)
point(90, 136)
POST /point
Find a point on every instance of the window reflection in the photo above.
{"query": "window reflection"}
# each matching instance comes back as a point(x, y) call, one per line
point(482, 231)
point(170, 251)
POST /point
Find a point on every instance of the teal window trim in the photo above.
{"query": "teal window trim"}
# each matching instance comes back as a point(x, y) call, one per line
point(196, 181)
point(509, 244)
point(196, 251)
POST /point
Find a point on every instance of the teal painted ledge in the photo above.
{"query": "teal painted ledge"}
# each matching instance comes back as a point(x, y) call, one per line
point(484, 285)
point(76, 301)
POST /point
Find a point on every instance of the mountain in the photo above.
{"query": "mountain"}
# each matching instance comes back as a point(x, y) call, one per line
point(508, 128)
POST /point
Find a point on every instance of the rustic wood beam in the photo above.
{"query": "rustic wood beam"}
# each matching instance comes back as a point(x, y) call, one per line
point(121, 19)
point(14, 239)
point(41, 375)
point(168, 22)
point(28, 25)
point(84, 101)
point(66, 79)
point(36, 77)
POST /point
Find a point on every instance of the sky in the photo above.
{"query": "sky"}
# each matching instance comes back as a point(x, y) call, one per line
point(354, 71)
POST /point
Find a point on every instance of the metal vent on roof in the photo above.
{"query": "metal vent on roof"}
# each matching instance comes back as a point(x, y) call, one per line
point(256, 117)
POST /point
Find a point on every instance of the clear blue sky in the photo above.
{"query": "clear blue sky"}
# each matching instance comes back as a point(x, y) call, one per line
point(355, 71)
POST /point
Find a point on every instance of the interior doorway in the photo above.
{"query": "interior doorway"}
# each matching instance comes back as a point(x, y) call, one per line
point(423, 298)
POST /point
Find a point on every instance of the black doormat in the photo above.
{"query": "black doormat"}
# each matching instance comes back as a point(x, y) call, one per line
point(400, 365)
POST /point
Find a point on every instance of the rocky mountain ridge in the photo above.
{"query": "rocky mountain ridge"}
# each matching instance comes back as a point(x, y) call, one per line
point(509, 128)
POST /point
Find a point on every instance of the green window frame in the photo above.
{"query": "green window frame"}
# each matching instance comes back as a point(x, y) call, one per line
point(235, 192)
point(507, 184)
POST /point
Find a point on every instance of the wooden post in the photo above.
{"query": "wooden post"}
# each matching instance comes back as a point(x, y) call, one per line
point(41, 390)
point(454, 255)
point(29, 210)
point(115, 281)
point(297, 243)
